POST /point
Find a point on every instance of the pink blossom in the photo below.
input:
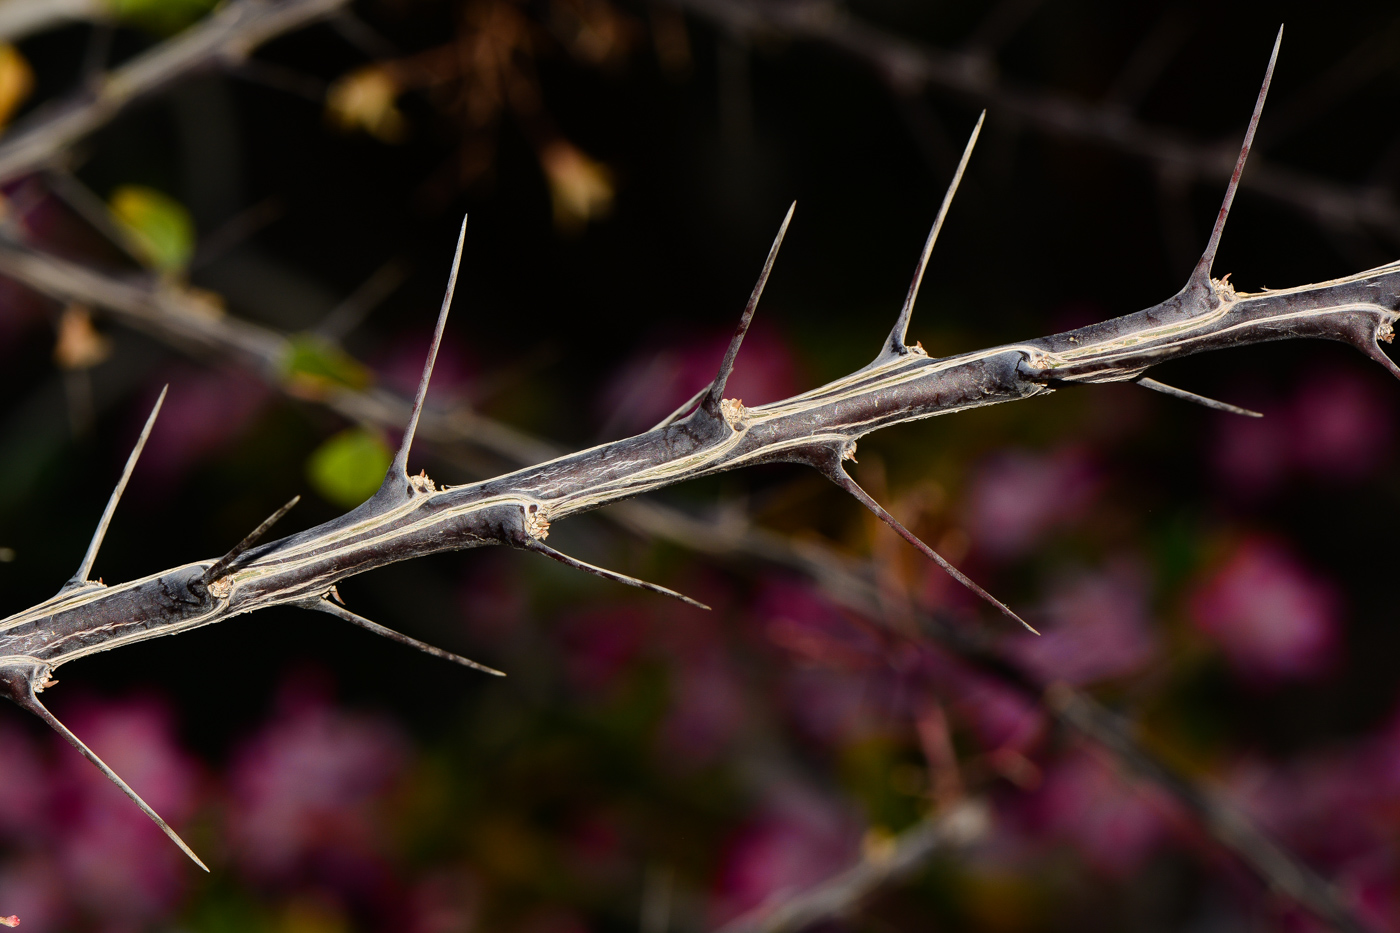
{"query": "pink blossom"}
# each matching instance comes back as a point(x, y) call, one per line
point(1017, 497)
point(797, 839)
point(654, 384)
point(305, 790)
point(34, 890)
point(1334, 425)
point(707, 708)
point(830, 707)
point(1252, 454)
point(1002, 718)
point(25, 802)
point(205, 411)
point(1116, 825)
point(1324, 806)
point(117, 863)
point(1273, 619)
point(801, 620)
point(599, 645)
point(1341, 426)
point(1098, 629)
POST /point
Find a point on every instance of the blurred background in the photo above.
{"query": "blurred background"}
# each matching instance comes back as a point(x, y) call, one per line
point(269, 234)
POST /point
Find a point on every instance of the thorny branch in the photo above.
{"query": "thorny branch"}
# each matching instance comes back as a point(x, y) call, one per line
point(226, 36)
point(190, 323)
point(411, 516)
point(911, 68)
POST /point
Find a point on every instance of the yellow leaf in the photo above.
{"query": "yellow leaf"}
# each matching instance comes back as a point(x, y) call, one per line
point(581, 189)
point(161, 230)
point(349, 467)
point(16, 81)
point(364, 100)
point(79, 345)
point(314, 365)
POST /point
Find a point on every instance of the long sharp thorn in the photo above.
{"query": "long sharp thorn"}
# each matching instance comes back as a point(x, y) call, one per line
point(325, 605)
point(839, 476)
point(1202, 400)
point(613, 575)
point(716, 391)
point(685, 407)
point(398, 471)
point(895, 345)
point(1200, 278)
point(85, 567)
point(221, 566)
point(32, 704)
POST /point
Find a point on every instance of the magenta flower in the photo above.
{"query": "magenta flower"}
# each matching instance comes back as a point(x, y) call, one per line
point(1017, 497)
point(1273, 619)
point(1098, 629)
point(304, 791)
point(115, 862)
point(34, 890)
point(1114, 823)
point(798, 839)
point(599, 645)
point(707, 708)
point(1335, 426)
point(799, 619)
point(205, 411)
point(1341, 426)
point(26, 802)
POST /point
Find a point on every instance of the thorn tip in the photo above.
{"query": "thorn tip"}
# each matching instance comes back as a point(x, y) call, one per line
point(895, 345)
point(710, 404)
point(323, 604)
point(85, 568)
point(222, 565)
point(1200, 277)
point(534, 544)
point(840, 477)
point(31, 703)
point(398, 470)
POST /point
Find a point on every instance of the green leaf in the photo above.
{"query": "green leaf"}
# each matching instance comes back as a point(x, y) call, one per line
point(160, 227)
point(313, 365)
point(349, 467)
point(159, 16)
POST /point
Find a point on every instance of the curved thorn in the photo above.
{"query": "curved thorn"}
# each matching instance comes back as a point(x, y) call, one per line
point(221, 566)
point(1201, 276)
point(31, 703)
point(895, 343)
point(841, 478)
point(398, 470)
point(1374, 351)
point(535, 545)
point(716, 391)
point(685, 407)
point(85, 568)
point(322, 604)
point(1202, 400)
